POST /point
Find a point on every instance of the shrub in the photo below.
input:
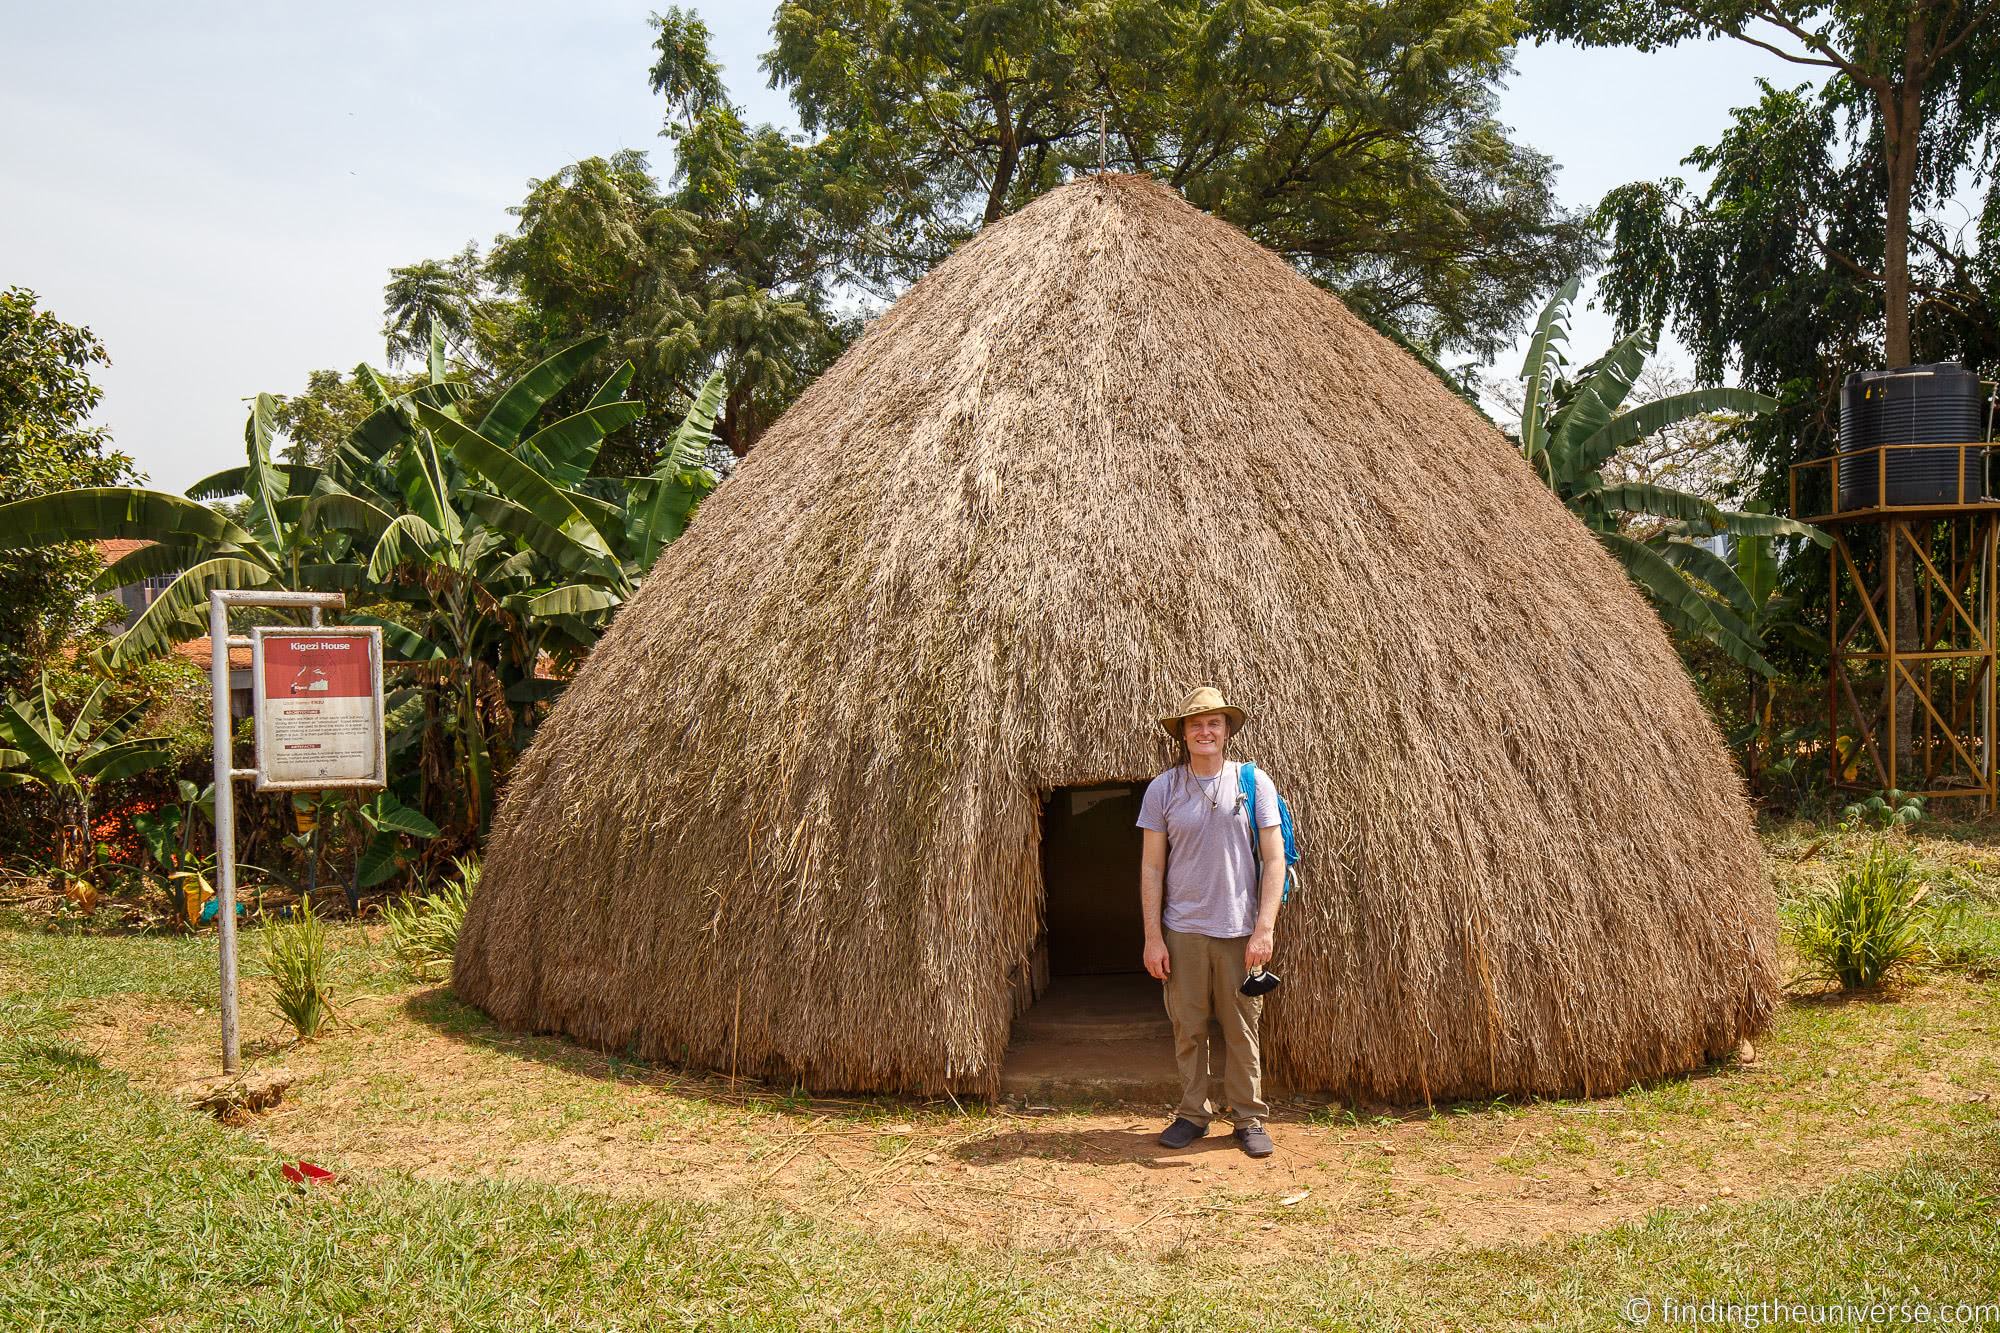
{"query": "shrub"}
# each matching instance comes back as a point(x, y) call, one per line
point(1868, 927)
point(295, 958)
point(1885, 809)
point(423, 929)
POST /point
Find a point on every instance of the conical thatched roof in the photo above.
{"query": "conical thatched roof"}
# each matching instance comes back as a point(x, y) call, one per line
point(786, 817)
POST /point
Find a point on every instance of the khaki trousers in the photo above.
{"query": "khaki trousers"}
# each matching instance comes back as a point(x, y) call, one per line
point(1215, 1029)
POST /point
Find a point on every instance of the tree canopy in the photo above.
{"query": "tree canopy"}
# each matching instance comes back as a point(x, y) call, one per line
point(1857, 171)
point(1356, 137)
point(1829, 237)
point(47, 444)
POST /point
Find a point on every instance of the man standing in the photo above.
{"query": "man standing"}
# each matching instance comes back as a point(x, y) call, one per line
point(1208, 920)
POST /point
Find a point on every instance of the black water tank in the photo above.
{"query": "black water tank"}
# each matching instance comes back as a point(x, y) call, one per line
point(1934, 404)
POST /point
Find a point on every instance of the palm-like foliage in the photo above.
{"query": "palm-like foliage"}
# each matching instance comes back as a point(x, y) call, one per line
point(501, 545)
point(483, 546)
point(71, 759)
point(1572, 428)
point(202, 547)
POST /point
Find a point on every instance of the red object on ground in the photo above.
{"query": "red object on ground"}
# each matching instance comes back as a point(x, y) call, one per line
point(305, 1173)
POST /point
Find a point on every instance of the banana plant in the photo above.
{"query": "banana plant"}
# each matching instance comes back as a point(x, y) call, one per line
point(71, 760)
point(201, 546)
point(486, 543)
point(500, 541)
point(1773, 615)
point(1572, 428)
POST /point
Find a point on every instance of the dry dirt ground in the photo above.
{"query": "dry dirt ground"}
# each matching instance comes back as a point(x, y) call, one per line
point(418, 1083)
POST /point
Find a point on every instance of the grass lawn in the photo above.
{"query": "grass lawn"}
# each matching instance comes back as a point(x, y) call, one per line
point(493, 1181)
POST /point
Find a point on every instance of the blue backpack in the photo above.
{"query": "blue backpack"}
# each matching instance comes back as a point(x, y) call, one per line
point(1247, 777)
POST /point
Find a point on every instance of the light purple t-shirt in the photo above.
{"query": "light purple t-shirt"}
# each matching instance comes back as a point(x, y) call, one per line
point(1211, 866)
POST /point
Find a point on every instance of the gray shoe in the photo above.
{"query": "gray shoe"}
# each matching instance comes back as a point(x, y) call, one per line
point(1181, 1133)
point(1252, 1139)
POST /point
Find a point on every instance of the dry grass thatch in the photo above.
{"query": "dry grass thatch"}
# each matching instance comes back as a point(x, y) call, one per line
point(786, 818)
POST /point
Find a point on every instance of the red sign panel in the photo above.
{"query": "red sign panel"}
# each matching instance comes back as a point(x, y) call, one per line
point(319, 710)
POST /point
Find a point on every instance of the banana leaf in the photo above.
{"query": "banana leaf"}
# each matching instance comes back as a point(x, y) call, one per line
point(539, 540)
point(263, 484)
point(152, 560)
point(371, 386)
point(80, 727)
point(1648, 418)
point(416, 479)
point(98, 513)
point(517, 483)
point(405, 538)
point(176, 613)
point(379, 431)
point(664, 506)
point(124, 759)
point(572, 599)
point(1711, 569)
point(1679, 603)
point(299, 478)
point(400, 642)
point(334, 578)
point(614, 386)
point(570, 446)
point(39, 752)
point(690, 440)
point(1536, 371)
point(1770, 525)
point(445, 397)
point(1641, 497)
point(339, 509)
point(511, 413)
point(1590, 407)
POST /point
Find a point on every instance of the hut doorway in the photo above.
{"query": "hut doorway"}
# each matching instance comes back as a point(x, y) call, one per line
point(1090, 1022)
point(1090, 881)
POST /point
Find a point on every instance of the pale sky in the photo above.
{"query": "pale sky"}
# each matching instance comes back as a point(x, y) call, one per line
point(219, 191)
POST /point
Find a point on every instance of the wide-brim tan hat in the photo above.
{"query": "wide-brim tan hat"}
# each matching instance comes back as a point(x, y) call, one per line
point(1204, 699)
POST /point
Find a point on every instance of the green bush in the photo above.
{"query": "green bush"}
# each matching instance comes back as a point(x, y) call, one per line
point(1885, 809)
point(294, 957)
point(1868, 927)
point(423, 929)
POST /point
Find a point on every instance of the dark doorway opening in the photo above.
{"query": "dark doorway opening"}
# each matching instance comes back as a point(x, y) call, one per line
point(1090, 879)
point(1089, 1022)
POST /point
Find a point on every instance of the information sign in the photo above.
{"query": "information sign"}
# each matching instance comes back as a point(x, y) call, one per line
point(318, 703)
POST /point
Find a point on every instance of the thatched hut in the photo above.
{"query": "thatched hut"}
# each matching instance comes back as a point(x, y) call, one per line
point(789, 817)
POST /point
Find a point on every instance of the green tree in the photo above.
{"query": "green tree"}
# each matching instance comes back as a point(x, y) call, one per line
point(316, 422)
point(46, 399)
point(1356, 137)
point(1915, 80)
point(1825, 241)
point(447, 296)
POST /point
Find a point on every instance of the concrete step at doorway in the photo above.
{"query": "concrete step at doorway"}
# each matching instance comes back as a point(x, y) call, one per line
point(1120, 1007)
point(1094, 1038)
point(1059, 1072)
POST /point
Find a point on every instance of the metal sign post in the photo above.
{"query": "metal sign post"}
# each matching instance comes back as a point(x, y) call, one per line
point(226, 773)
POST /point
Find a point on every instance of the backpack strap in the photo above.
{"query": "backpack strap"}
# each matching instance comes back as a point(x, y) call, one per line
point(1246, 783)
